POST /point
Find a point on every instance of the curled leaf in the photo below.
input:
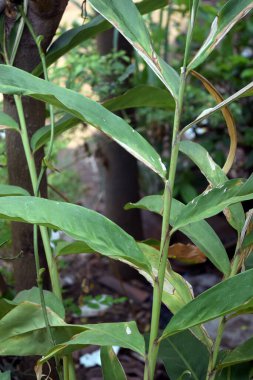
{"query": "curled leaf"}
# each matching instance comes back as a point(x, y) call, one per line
point(228, 118)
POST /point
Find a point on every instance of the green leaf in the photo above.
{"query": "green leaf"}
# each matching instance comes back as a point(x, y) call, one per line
point(124, 16)
point(221, 299)
point(5, 375)
point(111, 366)
point(176, 352)
point(176, 291)
point(140, 96)
point(74, 248)
point(237, 372)
point(209, 111)
point(213, 201)
point(241, 354)
point(122, 334)
point(6, 306)
point(80, 223)
point(23, 331)
point(42, 135)
point(73, 37)
point(15, 81)
point(200, 233)
point(214, 175)
point(232, 12)
point(33, 295)
point(10, 190)
point(6, 122)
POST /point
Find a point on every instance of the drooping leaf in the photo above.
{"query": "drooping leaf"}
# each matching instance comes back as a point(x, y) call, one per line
point(23, 331)
point(10, 190)
point(73, 37)
point(200, 233)
point(122, 334)
point(15, 81)
point(215, 200)
point(215, 176)
point(33, 295)
point(124, 16)
point(176, 292)
point(140, 96)
point(209, 111)
point(241, 354)
point(176, 352)
point(80, 223)
point(221, 299)
point(111, 366)
point(232, 12)
point(228, 118)
point(7, 122)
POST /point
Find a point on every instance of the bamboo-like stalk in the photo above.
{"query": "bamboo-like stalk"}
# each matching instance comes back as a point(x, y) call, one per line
point(168, 192)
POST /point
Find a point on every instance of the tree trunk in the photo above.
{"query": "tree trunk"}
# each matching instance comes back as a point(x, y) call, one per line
point(44, 16)
point(120, 171)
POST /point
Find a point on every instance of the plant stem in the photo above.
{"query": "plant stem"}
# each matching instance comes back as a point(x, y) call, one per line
point(33, 174)
point(211, 373)
point(168, 192)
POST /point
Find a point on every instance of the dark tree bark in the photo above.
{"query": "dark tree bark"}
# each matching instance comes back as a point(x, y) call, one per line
point(44, 16)
point(121, 170)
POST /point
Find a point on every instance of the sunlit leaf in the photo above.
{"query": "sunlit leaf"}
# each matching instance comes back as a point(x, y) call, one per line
point(15, 81)
point(200, 233)
point(220, 300)
point(140, 96)
point(80, 223)
point(232, 12)
point(111, 366)
point(73, 37)
point(124, 16)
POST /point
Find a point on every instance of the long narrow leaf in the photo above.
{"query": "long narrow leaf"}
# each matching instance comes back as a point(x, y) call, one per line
point(232, 12)
point(221, 299)
point(200, 233)
point(122, 334)
point(125, 17)
point(215, 176)
point(111, 366)
point(73, 37)
point(215, 200)
point(140, 96)
point(15, 81)
point(208, 112)
point(80, 223)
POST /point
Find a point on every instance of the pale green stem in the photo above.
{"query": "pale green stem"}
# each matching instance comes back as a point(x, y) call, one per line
point(165, 237)
point(33, 174)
